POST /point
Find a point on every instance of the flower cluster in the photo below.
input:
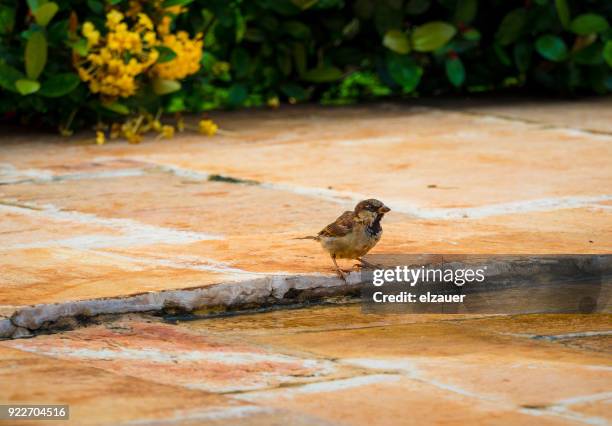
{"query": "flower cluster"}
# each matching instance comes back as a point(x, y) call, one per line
point(136, 127)
point(114, 62)
point(188, 55)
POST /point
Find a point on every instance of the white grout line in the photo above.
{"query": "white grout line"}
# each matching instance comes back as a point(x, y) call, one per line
point(585, 398)
point(410, 369)
point(134, 232)
point(559, 408)
point(320, 387)
point(348, 199)
point(565, 414)
point(220, 356)
point(11, 175)
point(181, 262)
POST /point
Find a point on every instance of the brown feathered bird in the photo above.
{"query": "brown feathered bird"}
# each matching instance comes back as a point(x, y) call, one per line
point(354, 233)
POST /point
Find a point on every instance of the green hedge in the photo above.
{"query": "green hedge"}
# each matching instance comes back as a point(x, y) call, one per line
point(262, 52)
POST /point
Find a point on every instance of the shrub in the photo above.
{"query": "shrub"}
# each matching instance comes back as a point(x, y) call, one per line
point(75, 63)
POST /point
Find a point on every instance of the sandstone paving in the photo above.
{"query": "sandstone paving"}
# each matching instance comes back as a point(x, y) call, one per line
point(173, 355)
point(394, 400)
point(460, 355)
point(96, 396)
point(335, 365)
point(576, 115)
point(81, 221)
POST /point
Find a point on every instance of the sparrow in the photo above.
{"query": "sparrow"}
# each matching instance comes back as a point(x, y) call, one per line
point(353, 234)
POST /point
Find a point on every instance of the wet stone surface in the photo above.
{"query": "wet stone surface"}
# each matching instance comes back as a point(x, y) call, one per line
point(325, 365)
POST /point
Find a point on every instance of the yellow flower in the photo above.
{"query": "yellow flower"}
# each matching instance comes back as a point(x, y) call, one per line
point(188, 56)
point(273, 102)
point(100, 138)
point(115, 61)
point(208, 127)
point(113, 18)
point(167, 132)
point(91, 34)
point(144, 21)
point(115, 131)
point(132, 137)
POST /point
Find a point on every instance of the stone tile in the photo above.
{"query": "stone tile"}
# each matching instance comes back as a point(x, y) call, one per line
point(419, 165)
point(96, 396)
point(306, 320)
point(176, 356)
point(168, 201)
point(597, 406)
point(591, 114)
point(461, 357)
point(543, 325)
point(394, 400)
point(21, 228)
point(120, 219)
point(51, 275)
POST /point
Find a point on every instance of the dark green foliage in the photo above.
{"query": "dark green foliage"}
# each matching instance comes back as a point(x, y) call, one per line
point(332, 51)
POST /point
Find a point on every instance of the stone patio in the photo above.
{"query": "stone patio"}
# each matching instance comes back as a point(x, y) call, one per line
point(195, 223)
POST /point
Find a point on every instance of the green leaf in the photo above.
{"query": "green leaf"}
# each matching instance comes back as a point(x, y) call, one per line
point(117, 107)
point(237, 94)
point(163, 87)
point(522, 56)
point(404, 71)
point(351, 29)
point(431, 36)
point(364, 9)
point(96, 6)
point(240, 26)
point(299, 56)
point(588, 23)
point(607, 53)
point(8, 77)
point(35, 55)
point(589, 55)
point(455, 71)
point(35, 4)
point(240, 61)
point(322, 74)
point(7, 19)
point(551, 47)
point(27, 87)
point(466, 11)
point(511, 27)
point(397, 41)
point(292, 90)
point(472, 34)
point(297, 29)
point(170, 3)
point(45, 13)
point(563, 12)
point(417, 7)
point(165, 54)
point(59, 85)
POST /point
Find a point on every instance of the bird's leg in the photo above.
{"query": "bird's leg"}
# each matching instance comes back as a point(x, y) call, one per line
point(338, 270)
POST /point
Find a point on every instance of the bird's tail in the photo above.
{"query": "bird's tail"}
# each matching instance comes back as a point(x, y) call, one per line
point(309, 237)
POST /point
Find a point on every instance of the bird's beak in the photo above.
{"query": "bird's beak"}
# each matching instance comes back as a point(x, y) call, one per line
point(384, 209)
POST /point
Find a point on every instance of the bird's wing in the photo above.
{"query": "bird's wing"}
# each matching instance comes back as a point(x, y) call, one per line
point(341, 226)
